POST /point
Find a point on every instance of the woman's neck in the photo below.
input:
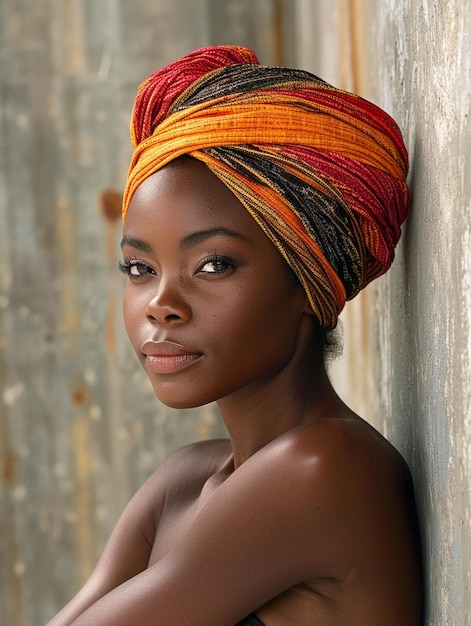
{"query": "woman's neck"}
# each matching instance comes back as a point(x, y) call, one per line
point(260, 413)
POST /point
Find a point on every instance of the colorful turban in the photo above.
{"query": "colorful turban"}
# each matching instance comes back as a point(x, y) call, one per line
point(322, 171)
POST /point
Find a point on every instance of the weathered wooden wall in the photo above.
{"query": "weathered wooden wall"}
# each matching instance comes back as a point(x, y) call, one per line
point(79, 426)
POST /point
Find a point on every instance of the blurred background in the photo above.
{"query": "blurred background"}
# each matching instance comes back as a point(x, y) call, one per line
point(80, 428)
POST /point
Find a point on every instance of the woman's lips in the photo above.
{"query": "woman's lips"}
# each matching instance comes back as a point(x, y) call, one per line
point(167, 357)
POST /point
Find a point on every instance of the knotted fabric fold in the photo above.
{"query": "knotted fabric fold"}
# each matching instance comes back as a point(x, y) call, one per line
point(321, 170)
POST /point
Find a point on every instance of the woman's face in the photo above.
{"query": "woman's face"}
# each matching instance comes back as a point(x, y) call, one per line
point(210, 307)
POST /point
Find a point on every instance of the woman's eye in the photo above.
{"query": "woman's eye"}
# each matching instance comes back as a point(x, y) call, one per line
point(216, 265)
point(136, 269)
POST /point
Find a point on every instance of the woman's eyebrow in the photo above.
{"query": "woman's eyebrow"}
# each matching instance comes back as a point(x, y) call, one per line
point(198, 237)
point(136, 243)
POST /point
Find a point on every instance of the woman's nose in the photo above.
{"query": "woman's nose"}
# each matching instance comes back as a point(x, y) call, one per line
point(168, 305)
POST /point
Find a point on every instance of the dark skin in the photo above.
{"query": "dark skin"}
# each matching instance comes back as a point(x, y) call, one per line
point(305, 515)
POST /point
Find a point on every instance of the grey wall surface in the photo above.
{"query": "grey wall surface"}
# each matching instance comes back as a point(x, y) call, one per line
point(407, 364)
point(79, 426)
point(424, 325)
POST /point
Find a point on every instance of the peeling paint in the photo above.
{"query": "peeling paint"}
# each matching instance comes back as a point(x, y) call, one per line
point(111, 202)
point(83, 495)
point(9, 466)
point(79, 394)
point(19, 569)
point(11, 394)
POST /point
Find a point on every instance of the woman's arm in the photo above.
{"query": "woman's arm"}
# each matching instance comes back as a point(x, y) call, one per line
point(128, 549)
point(261, 532)
point(301, 509)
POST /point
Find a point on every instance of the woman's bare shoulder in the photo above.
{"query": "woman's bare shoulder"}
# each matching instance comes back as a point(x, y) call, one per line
point(179, 478)
point(344, 443)
point(195, 462)
point(332, 462)
point(346, 494)
point(352, 459)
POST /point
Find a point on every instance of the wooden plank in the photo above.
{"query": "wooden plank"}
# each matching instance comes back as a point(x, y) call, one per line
point(80, 428)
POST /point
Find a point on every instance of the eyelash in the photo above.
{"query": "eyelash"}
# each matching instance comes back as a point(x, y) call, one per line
point(218, 260)
point(127, 267)
point(144, 269)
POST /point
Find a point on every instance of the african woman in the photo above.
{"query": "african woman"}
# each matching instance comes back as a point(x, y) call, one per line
point(259, 199)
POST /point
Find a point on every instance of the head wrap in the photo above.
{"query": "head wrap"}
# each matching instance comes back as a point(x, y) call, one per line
point(321, 170)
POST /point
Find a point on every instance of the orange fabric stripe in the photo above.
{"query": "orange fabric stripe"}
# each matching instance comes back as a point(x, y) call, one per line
point(257, 123)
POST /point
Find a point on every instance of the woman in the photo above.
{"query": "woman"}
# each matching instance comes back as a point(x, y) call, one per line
point(258, 200)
